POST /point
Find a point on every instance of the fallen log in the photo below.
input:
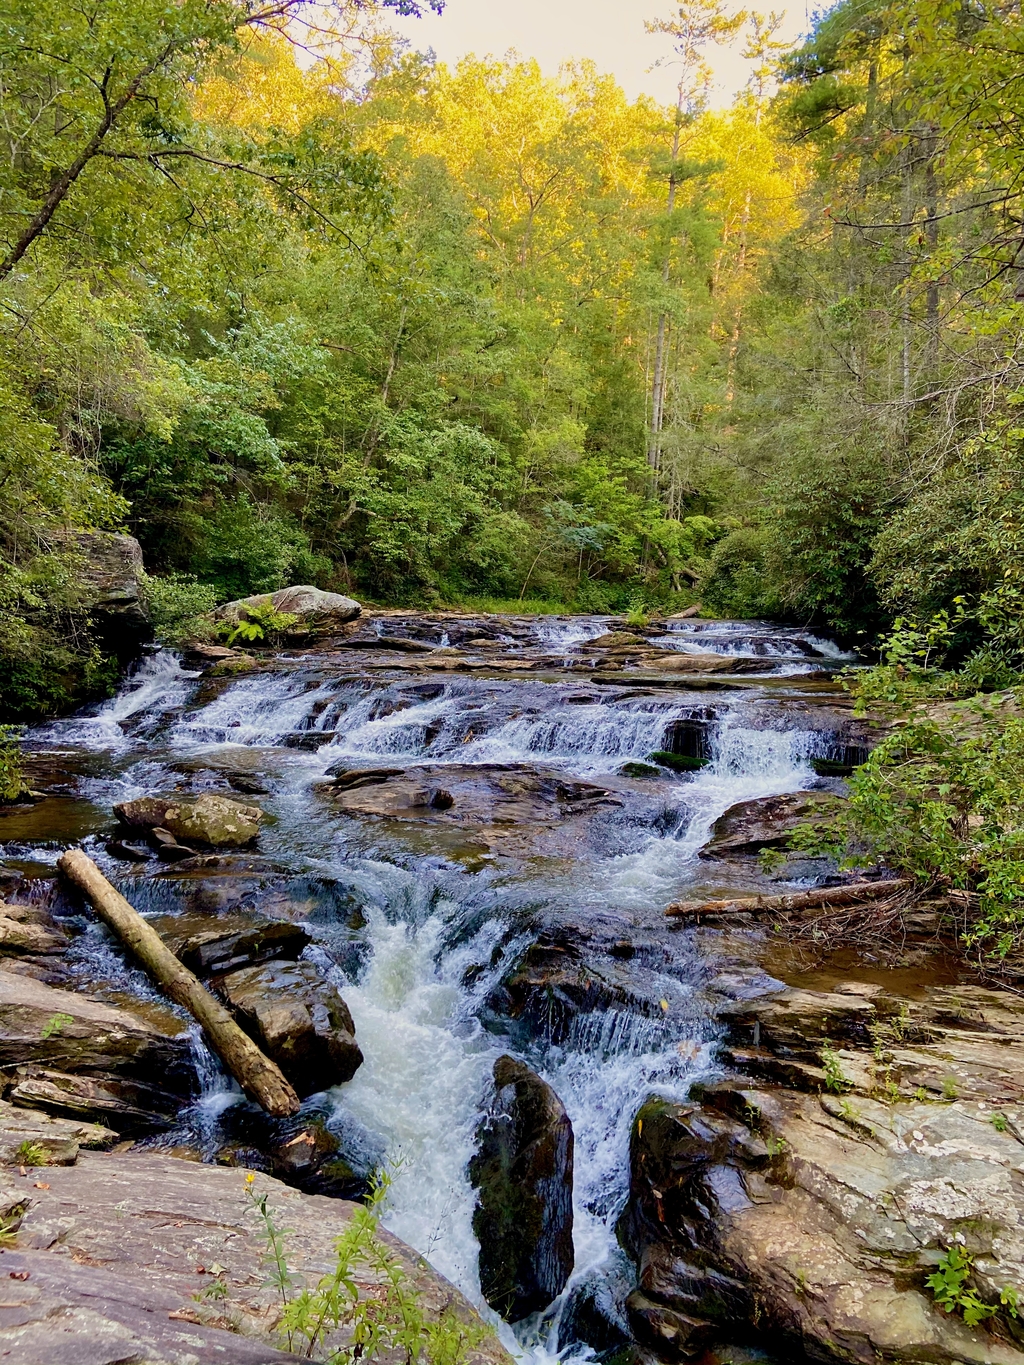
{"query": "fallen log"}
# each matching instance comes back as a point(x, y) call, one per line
point(259, 1077)
point(822, 897)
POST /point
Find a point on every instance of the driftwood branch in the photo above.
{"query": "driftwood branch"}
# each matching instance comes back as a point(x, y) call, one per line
point(258, 1076)
point(822, 897)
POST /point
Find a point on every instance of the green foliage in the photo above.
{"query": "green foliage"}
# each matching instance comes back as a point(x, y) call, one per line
point(177, 603)
point(388, 1321)
point(258, 622)
point(31, 1154)
point(12, 779)
point(836, 1082)
point(55, 1025)
point(940, 800)
point(951, 1286)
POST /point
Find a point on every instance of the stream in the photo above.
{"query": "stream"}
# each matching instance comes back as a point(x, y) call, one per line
point(420, 923)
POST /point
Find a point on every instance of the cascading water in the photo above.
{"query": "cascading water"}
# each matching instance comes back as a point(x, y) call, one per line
point(436, 937)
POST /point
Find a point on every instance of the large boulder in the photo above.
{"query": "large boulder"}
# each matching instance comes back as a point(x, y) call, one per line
point(815, 1206)
point(766, 822)
point(316, 612)
point(211, 820)
point(299, 1019)
point(523, 1172)
point(110, 577)
point(215, 821)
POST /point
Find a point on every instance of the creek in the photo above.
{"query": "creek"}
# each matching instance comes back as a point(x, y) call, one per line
point(420, 922)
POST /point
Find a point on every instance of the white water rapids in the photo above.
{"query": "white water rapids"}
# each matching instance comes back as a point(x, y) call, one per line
point(428, 1056)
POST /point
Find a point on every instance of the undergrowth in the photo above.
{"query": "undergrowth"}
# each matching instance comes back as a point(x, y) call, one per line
point(385, 1319)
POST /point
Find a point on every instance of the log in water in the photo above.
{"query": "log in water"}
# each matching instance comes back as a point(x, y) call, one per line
point(258, 1076)
point(821, 898)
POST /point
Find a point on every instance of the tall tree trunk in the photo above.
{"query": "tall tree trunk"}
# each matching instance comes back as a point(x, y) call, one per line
point(931, 232)
point(658, 381)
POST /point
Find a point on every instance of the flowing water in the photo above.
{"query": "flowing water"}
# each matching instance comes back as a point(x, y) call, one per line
point(439, 930)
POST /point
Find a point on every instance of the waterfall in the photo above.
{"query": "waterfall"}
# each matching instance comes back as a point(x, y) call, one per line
point(436, 937)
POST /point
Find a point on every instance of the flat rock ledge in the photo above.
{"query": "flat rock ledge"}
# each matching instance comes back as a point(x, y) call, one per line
point(811, 1192)
point(113, 1254)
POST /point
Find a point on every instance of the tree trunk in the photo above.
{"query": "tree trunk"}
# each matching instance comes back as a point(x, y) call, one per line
point(823, 897)
point(258, 1076)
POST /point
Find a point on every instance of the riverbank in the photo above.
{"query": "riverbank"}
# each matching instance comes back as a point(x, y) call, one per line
point(470, 829)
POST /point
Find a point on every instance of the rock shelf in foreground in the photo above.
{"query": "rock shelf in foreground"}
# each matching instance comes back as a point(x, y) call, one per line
point(113, 1254)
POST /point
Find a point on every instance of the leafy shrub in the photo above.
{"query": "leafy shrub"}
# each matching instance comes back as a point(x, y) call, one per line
point(953, 1292)
point(387, 1323)
point(12, 779)
point(177, 603)
point(257, 623)
point(941, 800)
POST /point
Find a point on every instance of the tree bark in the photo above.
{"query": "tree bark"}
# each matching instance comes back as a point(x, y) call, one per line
point(822, 897)
point(258, 1076)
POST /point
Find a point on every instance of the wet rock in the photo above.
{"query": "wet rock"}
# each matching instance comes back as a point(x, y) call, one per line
point(22, 932)
point(817, 1205)
point(594, 1316)
point(128, 1107)
point(233, 943)
point(109, 579)
point(523, 1172)
point(315, 1152)
point(299, 1019)
point(215, 821)
point(690, 737)
point(316, 612)
point(118, 1249)
point(146, 812)
point(766, 822)
point(574, 970)
point(678, 763)
point(28, 1139)
point(509, 807)
point(40, 1025)
point(127, 853)
point(641, 770)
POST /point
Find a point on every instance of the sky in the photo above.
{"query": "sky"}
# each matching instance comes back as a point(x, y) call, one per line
point(611, 32)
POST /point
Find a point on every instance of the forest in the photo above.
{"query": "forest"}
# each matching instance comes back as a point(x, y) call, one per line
point(291, 303)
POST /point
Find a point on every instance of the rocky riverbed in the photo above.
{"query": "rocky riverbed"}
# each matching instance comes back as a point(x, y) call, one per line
point(424, 858)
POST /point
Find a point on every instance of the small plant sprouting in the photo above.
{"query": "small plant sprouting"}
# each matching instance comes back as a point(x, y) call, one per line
point(56, 1024)
point(998, 1121)
point(777, 1146)
point(950, 1089)
point(31, 1154)
point(216, 1288)
point(951, 1287)
point(836, 1081)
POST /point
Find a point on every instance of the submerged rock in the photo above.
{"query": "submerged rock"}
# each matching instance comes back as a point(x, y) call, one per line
point(523, 1172)
point(299, 1019)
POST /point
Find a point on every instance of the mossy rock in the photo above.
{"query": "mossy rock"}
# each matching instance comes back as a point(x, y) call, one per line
point(639, 770)
point(679, 763)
